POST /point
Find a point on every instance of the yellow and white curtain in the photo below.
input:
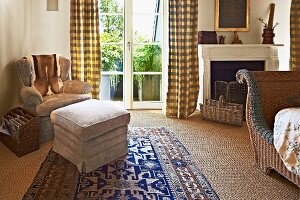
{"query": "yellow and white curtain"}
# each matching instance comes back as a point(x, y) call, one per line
point(85, 43)
point(295, 35)
point(183, 83)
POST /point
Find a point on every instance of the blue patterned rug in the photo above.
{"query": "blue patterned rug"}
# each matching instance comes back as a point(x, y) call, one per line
point(157, 167)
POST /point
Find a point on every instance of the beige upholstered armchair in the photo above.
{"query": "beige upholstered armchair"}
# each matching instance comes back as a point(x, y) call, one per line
point(47, 86)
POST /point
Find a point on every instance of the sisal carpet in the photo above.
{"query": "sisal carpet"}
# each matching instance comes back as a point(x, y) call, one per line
point(222, 153)
point(157, 167)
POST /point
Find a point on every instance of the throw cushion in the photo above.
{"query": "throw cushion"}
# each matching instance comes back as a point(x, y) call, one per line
point(76, 87)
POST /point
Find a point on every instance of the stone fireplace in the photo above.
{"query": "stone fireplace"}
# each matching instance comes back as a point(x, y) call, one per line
point(222, 61)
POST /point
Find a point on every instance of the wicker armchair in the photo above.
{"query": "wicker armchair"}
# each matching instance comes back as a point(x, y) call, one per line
point(268, 93)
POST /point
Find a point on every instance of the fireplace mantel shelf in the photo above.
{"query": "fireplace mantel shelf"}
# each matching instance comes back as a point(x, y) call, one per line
point(239, 45)
point(233, 52)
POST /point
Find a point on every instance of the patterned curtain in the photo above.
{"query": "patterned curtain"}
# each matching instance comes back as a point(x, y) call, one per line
point(183, 83)
point(85, 43)
point(295, 35)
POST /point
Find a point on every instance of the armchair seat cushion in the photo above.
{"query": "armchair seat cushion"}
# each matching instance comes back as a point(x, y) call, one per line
point(56, 101)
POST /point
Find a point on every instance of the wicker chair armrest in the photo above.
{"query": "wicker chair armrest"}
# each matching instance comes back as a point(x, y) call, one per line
point(76, 87)
point(263, 130)
point(256, 119)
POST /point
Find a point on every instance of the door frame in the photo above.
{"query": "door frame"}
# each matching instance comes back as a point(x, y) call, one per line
point(128, 65)
point(128, 73)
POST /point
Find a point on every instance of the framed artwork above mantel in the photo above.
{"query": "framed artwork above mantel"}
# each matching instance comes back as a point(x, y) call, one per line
point(232, 15)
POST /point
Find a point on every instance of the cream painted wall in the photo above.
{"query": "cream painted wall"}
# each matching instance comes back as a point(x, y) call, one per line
point(258, 8)
point(28, 28)
point(15, 42)
point(50, 29)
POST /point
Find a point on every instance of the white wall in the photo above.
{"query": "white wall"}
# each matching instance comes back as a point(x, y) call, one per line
point(15, 42)
point(28, 28)
point(50, 29)
point(258, 8)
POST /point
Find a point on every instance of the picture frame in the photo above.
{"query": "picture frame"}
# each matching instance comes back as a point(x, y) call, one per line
point(232, 15)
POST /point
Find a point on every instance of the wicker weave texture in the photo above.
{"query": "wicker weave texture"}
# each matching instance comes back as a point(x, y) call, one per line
point(220, 111)
point(267, 158)
point(277, 90)
point(28, 139)
point(277, 96)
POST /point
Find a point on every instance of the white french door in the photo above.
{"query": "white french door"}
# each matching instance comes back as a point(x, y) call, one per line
point(132, 49)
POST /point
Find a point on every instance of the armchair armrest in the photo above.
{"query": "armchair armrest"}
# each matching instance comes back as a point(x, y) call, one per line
point(76, 87)
point(268, 93)
point(255, 116)
point(31, 98)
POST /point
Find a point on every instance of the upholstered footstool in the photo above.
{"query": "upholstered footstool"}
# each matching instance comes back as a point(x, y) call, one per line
point(90, 133)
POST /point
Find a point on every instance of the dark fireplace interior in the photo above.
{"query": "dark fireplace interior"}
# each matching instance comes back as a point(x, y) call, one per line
point(226, 70)
point(223, 81)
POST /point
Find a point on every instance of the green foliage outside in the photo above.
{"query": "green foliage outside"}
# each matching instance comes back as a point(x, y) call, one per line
point(112, 55)
point(147, 58)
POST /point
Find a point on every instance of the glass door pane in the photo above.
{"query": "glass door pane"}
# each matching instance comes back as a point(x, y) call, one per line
point(112, 49)
point(147, 20)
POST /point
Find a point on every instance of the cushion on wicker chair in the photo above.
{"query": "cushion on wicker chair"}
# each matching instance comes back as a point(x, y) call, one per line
point(287, 138)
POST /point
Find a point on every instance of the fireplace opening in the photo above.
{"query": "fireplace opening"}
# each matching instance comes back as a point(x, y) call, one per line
point(233, 92)
point(226, 70)
point(223, 81)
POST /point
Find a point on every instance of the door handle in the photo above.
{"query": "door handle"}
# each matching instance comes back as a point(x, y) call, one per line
point(128, 45)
